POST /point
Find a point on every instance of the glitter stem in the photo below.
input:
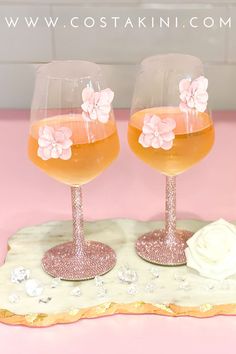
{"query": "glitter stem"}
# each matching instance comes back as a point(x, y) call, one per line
point(170, 216)
point(78, 220)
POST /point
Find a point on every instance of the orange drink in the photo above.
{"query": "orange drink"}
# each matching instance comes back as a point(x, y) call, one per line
point(194, 137)
point(95, 146)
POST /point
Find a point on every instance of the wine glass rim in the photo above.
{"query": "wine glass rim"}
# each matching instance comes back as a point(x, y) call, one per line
point(156, 57)
point(45, 68)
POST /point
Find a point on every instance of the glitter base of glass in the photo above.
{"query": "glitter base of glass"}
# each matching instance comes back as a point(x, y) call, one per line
point(156, 247)
point(62, 261)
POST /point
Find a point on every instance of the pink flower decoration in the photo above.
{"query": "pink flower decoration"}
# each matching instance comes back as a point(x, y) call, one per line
point(97, 105)
point(54, 143)
point(157, 132)
point(193, 94)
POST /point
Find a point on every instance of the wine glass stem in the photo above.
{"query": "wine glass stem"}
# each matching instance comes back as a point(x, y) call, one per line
point(78, 220)
point(170, 217)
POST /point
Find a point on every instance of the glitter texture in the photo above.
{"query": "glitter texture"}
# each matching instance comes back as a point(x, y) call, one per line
point(78, 260)
point(165, 247)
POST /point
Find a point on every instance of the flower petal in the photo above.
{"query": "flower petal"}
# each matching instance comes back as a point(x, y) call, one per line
point(66, 154)
point(145, 140)
point(56, 152)
point(66, 131)
point(87, 94)
point(167, 145)
point(66, 144)
point(43, 142)
point(156, 142)
point(184, 85)
point(106, 97)
point(46, 132)
point(102, 117)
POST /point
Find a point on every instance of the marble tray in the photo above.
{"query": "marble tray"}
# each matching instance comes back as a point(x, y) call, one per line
point(178, 291)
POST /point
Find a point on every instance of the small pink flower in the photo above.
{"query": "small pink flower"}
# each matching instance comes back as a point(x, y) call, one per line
point(54, 143)
point(157, 132)
point(193, 94)
point(96, 105)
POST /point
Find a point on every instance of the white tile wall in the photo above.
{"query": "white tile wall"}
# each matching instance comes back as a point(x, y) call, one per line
point(132, 45)
point(117, 50)
point(22, 44)
point(231, 54)
point(111, 2)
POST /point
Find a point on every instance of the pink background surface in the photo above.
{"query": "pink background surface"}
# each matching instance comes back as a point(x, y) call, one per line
point(128, 189)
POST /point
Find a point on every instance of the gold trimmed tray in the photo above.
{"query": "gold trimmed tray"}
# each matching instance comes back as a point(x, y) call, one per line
point(178, 291)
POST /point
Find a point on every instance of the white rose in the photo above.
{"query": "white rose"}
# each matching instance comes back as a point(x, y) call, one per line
point(212, 250)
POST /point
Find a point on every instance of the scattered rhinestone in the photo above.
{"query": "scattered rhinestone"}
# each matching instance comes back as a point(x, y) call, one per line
point(14, 298)
point(155, 272)
point(150, 287)
point(132, 289)
point(179, 277)
point(101, 291)
point(45, 300)
point(20, 274)
point(99, 280)
point(76, 291)
point(127, 275)
point(55, 283)
point(33, 288)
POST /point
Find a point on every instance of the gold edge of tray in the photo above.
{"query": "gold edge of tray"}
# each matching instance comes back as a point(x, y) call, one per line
point(106, 309)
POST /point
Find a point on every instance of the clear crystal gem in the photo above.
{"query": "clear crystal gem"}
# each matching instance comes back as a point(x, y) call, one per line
point(76, 291)
point(101, 291)
point(55, 282)
point(155, 272)
point(98, 280)
point(184, 285)
point(33, 288)
point(179, 277)
point(132, 289)
point(150, 287)
point(210, 286)
point(14, 298)
point(19, 274)
point(127, 274)
point(45, 300)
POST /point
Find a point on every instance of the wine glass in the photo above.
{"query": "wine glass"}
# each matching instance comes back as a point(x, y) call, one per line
point(170, 129)
point(73, 138)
